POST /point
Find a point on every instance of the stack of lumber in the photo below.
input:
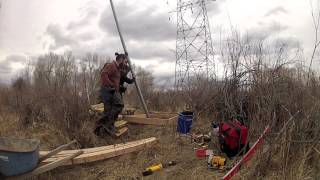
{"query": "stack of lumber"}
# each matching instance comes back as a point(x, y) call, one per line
point(101, 153)
point(121, 127)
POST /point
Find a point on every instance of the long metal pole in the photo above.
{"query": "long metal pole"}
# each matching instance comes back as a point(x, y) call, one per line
point(130, 65)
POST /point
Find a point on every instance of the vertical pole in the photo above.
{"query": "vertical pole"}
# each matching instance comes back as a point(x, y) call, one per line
point(130, 65)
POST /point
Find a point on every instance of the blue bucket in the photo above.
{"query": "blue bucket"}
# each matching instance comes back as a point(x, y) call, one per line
point(18, 156)
point(185, 122)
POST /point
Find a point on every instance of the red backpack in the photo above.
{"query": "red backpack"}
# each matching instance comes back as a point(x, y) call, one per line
point(232, 137)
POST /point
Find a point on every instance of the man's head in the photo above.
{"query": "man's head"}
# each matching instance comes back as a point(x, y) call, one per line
point(121, 58)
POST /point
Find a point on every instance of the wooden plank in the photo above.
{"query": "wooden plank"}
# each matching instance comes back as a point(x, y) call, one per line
point(121, 131)
point(120, 124)
point(96, 149)
point(173, 119)
point(95, 156)
point(145, 120)
point(117, 150)
point(47, 167)
point(100, 108)
point(55, 151)
point(162, 115)
point(142, 119)
point(100, 105)
point(97, 107)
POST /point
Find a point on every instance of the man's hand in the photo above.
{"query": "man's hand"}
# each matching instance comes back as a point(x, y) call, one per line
point(122, 89)
point(132, 80)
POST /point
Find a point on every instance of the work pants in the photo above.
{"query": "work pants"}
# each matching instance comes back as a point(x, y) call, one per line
point(113, 105)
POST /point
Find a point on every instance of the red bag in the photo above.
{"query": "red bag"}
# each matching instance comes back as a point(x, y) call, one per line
point(232, 137)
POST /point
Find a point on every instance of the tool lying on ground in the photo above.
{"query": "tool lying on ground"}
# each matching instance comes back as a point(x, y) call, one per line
point(203, 152)
point(247, 156)
point(216, 162)
point(148, 171)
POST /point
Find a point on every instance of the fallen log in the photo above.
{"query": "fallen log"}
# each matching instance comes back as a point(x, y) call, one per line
point(101, 153)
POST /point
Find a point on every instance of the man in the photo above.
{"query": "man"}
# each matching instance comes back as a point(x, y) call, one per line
point(110, 91)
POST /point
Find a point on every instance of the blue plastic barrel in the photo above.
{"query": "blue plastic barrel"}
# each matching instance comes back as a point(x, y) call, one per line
point(18, 156)
point(185, 122)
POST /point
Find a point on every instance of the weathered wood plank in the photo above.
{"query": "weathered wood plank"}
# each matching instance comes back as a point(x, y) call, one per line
point(56, 151)
point(121, 131)
point(91, 150)
point(110, 151)
point(120, 124)
point(162, 115)
point(154, 120)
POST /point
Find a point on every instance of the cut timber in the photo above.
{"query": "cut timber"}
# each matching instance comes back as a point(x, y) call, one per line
point(121, 131)
point(100, 108)
point(155, 119)
point(101, 153)
point(120, 124)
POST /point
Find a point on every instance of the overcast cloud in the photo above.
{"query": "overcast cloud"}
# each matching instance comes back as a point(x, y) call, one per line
point(34, 27)
point(276, 11)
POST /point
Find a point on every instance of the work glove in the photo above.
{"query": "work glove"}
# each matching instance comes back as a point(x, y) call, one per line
point(122, 89)
point(132, 80)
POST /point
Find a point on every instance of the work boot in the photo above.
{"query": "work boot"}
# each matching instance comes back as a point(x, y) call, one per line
point(111, 130)
point(97, 130)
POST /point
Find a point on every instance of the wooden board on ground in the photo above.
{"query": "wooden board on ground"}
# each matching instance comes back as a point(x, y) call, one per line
point(101, 153)
point(155, 119)
point(120, 124)
point(121, 131)
point(99, 108)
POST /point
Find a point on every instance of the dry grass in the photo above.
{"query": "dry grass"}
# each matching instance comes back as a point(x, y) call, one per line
point(170, 147)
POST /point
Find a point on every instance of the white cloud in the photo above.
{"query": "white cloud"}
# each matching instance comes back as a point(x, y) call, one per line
point(32, 27)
